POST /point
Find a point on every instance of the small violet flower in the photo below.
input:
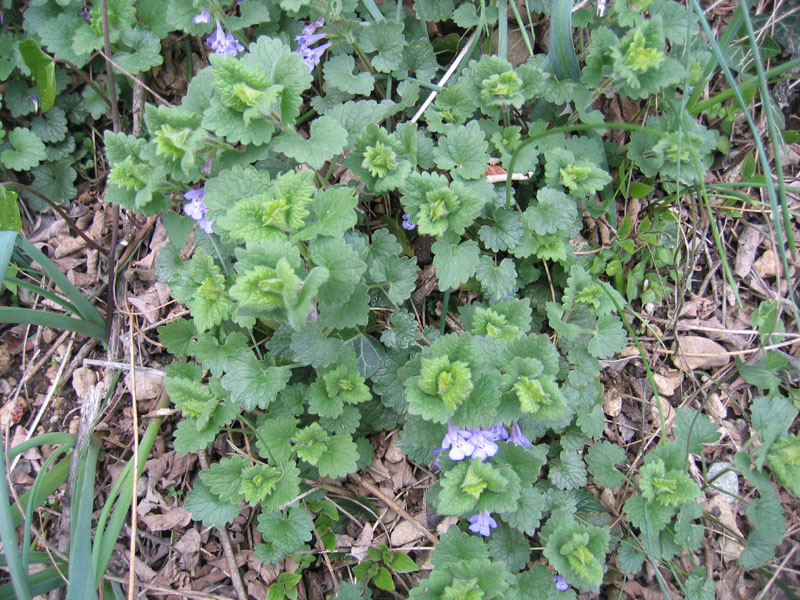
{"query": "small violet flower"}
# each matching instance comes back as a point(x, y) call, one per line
point(496, 432)
point(196, 209)
point(408, 225)
point(484, 446)
point(203, 17)
point(85, 14)
point(311, 56)
point(206, 168)
point(458, 441)
point(560, 583)
point(517, 438)
point(482, 523)
point(222, 43)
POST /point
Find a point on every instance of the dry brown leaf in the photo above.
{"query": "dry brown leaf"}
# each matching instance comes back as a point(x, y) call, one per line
point(148, 385)
point(404, 533)
point(696, 352)
point(668, 382)
point(174, 517)
point(729, 548)
point(83, 379)
point(768, 265)
point(612, 402)
point(749, 240)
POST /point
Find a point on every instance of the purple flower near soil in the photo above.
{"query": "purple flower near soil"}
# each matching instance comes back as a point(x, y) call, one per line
point(458, 441)
point(196, 209)
point(85, 14)
point(224, 43)
point(482, 523)
point(485, 447)
point(560, 583)
point(517, 438)
point(408, 225)
point(203, 17)
point(311, 56)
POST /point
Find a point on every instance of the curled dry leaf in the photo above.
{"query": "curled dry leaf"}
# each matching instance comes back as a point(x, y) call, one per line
point(695, 352)
point(749, 240)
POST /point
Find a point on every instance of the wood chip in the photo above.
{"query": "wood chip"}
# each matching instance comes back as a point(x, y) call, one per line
point(696, 352)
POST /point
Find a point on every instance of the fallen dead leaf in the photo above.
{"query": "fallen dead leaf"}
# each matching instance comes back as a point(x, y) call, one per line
point(174, 517)
point(696, 352)
point(668, 382)
point(768, 265)
point(612, 403)
point(729, 548)
point(749, 240)
point(404, 533)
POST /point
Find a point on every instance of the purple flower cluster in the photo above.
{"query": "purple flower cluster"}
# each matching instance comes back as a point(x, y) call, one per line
point(408, 225)
point(480, 443)
point(197, 209)
point(482, 523)
point(203, 17)
point(560, 583)
point(311, 56)
point(221, 42)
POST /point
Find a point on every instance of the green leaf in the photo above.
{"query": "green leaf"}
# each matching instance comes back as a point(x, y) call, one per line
point(10, 219)
point(43, 69)
point(224, 478)
point(398, 273)
point(403, 563)
point(338, 72)
point(510, 546)
point(769, 527)
point(340, 459)
point(498, 282)
point(455, 263)
point(578, 553)
point(404, 330)
point(602, 459)
point(609, 339)
point(288, 532)
point(629, 557)
point(57, 34)
point(344, 268)
point(327, 139)
point(207, 507)
point(506, 232)
point(273, 436)
point(253, 382)
point(463, 151)
point(457, 547)
point(178, 337)
point(766, 373)
point(784, 458)
point(145, 50)
point(334, 214)
point(383, 580)
point(309, 347)
point(553, 211)
point(692, 430)
point(771, 418)
point(55, 180)
point(28, 150)
point(569, 472)
point(385, 38)
point(529, 511)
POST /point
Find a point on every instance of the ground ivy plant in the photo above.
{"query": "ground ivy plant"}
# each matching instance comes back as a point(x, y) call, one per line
point(305, 334)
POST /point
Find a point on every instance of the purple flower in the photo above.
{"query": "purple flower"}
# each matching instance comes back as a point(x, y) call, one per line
point(206, 168)
point(222, 43)
point(482, 523)
point(458, 440)
point(85, 14)
point(311, 56)
point(496, 432)
point(203, 17)
point(196, 209)
point(517, 438)
point(312, 316)
point(485, 447)
point(408, 225)
point(560, 583)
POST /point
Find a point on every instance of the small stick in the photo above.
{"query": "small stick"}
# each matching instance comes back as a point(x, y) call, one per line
point(373, 489)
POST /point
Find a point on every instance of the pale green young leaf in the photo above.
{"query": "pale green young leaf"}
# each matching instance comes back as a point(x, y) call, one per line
point(578, 553)
point(311, 443)
point(207, 507)
point(325, 142)
point(213, 355)
point(338, 72)
point(784, 458)
point(455, 262)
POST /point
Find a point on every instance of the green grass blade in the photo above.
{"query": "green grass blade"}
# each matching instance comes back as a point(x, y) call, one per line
point(502, 29)
point(373, 10)
point(86, 310)
point(762, 153)
point(562, 58)
point(51, 482)
point(45, 439)
point(7, 241)
point(81, 570)
point(107, 536)
point(39, 583)
point(43, 69)
point(522, 29)
point(37, 483)
point(24, 283)
point(42, 318)
point(19, 577)
point(774, 134)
